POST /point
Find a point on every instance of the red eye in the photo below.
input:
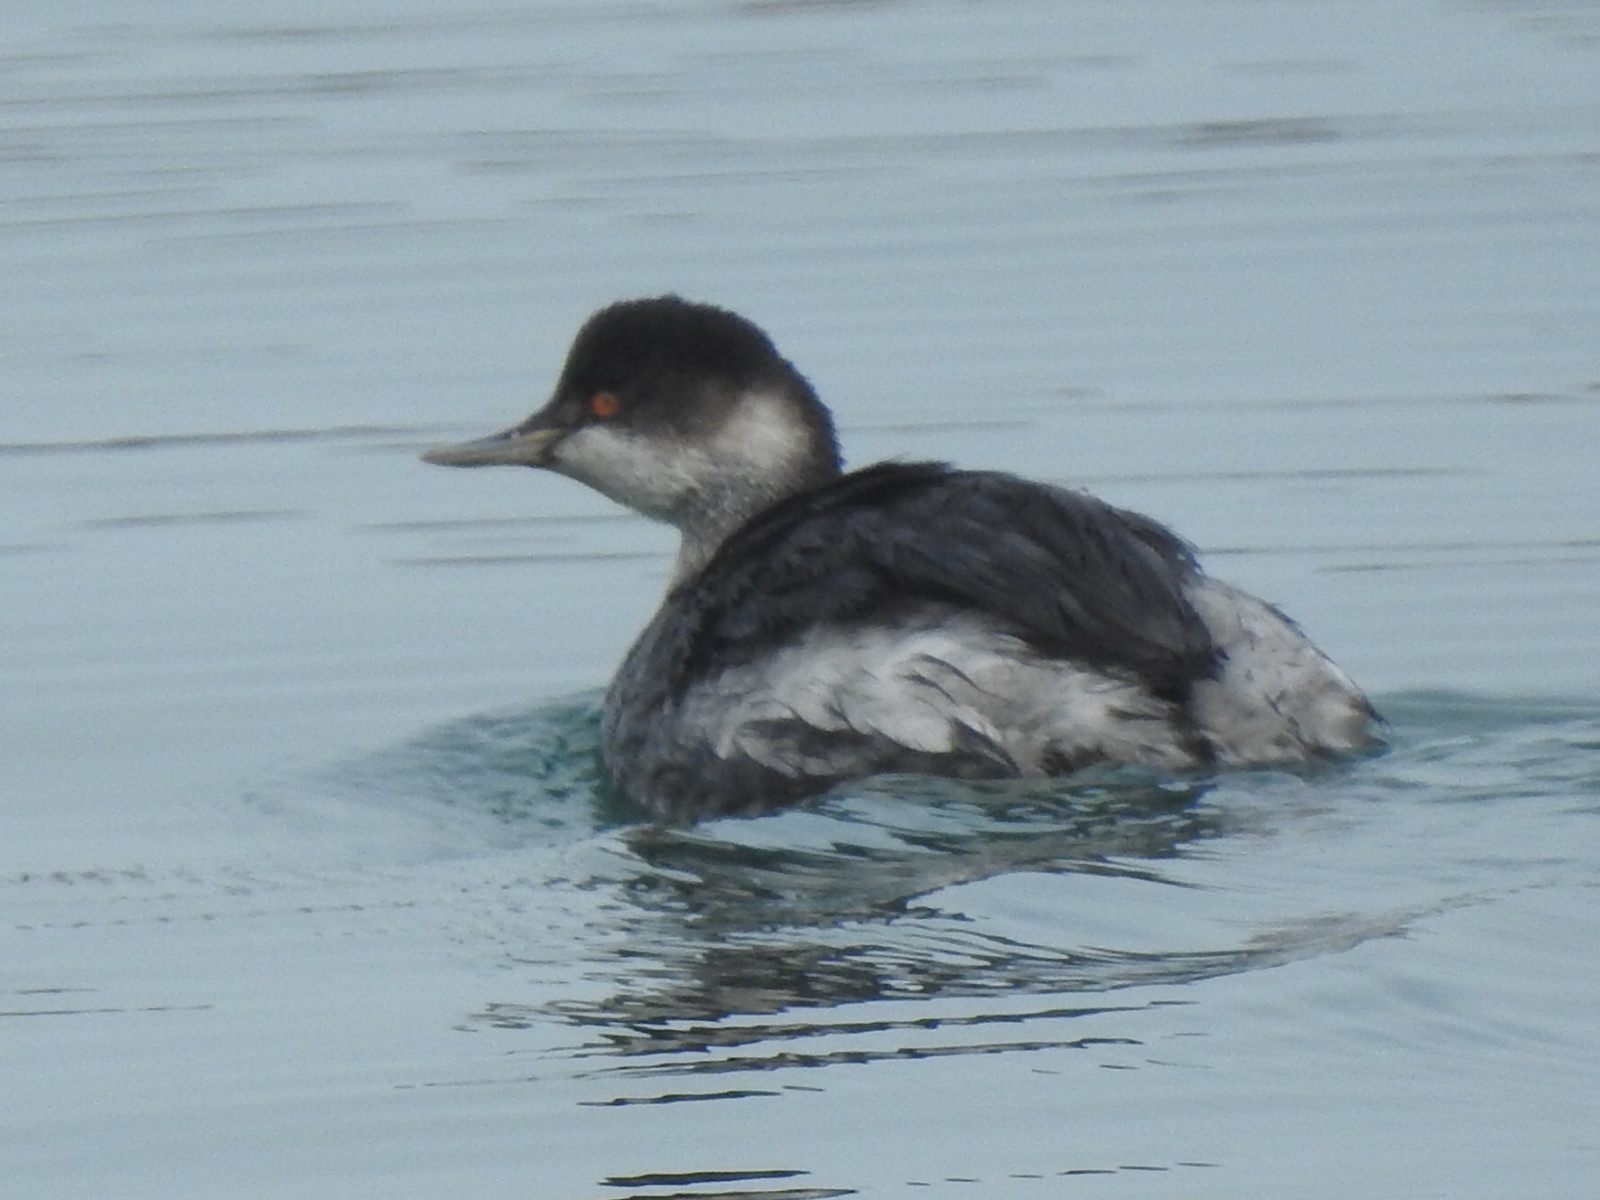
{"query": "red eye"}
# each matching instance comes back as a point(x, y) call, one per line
point(605, 404)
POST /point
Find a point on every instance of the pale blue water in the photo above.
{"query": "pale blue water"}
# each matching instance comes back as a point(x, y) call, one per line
point(308, 885)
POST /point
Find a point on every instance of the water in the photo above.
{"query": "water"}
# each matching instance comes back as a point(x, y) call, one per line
point(309, 884)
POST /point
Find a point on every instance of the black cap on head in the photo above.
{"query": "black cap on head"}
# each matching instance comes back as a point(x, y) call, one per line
point(649, 343)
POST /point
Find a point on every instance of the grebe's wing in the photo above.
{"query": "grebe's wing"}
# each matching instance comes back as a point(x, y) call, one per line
point(1074, 577)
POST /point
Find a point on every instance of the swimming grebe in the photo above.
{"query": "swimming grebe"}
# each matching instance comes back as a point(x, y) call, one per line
point(822, 626)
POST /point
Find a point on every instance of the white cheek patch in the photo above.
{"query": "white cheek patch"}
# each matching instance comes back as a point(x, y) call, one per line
point(760, 444)
point(762, 434)
point(647, 474)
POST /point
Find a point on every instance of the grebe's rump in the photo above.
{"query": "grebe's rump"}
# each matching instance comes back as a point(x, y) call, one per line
point(823, 626)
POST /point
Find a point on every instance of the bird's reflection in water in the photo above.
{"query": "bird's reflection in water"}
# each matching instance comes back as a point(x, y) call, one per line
point(871, 852)
point(737, 921)
point(839, 931)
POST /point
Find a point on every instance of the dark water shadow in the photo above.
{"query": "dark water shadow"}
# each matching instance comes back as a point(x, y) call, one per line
point(533, 777)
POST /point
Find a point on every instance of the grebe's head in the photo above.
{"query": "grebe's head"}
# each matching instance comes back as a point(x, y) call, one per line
point(684, 412)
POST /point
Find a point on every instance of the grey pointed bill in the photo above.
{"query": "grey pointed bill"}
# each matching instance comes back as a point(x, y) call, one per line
point(513, 447)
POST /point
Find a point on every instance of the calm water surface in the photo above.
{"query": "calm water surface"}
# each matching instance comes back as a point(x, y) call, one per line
point(309, 885)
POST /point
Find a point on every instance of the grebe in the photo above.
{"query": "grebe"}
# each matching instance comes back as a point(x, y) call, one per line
point(907, 617)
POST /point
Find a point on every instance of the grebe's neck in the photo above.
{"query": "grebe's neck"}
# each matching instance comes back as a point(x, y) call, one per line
point(773, 445)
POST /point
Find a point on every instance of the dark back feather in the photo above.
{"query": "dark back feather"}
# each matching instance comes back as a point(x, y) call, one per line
point(1073, 577)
